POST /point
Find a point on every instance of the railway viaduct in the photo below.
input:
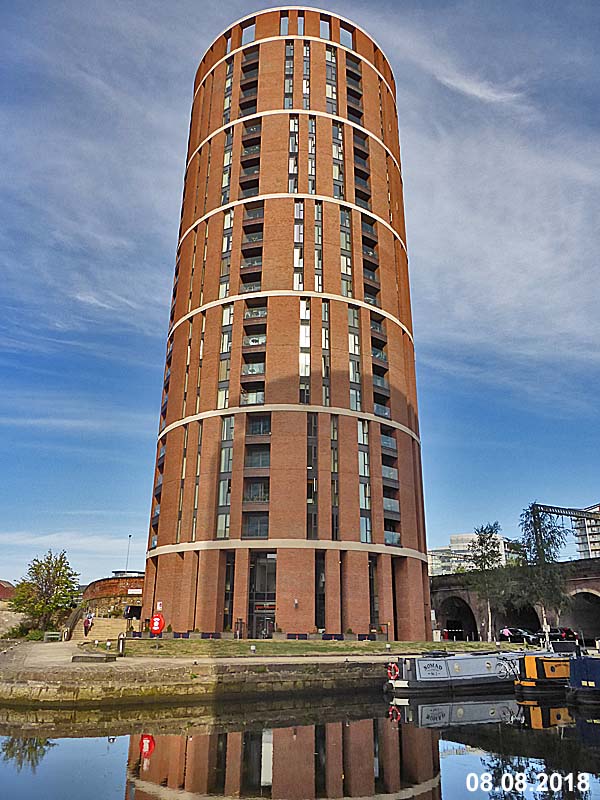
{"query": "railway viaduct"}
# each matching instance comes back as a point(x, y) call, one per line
point(459, 609)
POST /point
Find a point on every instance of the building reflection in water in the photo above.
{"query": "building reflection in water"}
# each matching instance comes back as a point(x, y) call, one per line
point(361, 758)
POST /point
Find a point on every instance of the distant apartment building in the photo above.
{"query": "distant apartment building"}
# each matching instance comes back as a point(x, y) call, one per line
point(454, 557)
point(587, 534)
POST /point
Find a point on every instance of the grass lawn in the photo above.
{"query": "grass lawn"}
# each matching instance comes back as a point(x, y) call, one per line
point(225, 648)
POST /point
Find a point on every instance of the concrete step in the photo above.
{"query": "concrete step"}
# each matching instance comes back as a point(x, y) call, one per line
point(102, 629)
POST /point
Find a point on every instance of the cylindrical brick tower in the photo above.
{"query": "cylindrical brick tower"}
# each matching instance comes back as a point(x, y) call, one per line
point(288, 492)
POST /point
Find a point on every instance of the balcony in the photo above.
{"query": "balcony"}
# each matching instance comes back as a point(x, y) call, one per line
point(158, 486)
point(371, 299)
point(169, 352)
point(380, 383)
point(250, 91)
point(258, 340)
point(361, 144)
point(251, 264)
point(253, 286)
point(253, 239)
point(354, 83)
point(251, 191)
point(161, 456)
point(389, 473)
point(251, 131)
point(253, 369)
point(255, 313)
point(163, 408)
point(392, 538)
point(361, 183)
point(256, 493)
point(167, 378)
point(371, 276)
point(249, 75)
point(377, 327)
point(246, 110)
point(249, 173)
point(354, 101)
point(378, 354)
point(361, 202)
point(370, 252)
point(155, 516)
point(353, 65)
point(363, 164)
point(153, 541)
point(252, 398)
point(382, 411)
point(256, 213)
point(250, 56)
point(389, 504)
point(388, 443)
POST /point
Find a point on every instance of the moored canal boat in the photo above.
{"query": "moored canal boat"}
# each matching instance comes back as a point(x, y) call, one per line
point(583, 687)
point(543, 675)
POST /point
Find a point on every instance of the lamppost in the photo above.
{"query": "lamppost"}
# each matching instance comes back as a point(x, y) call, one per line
point(128, 546)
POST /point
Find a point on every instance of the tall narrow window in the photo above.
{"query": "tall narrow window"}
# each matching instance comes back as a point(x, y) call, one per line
point(325, 28)
point(312, 154)
point(301, 23)
point(306, 76)
point(325, 353)
point(364, 486)
point(312, 438)
point(318, 246)
point(304, 358)
point(346, 251)
point(299, 245)
point(293, 155)
point(248, 32)
point(288, 78)
point(283, 23)
point(331, 80)
point(337, 147)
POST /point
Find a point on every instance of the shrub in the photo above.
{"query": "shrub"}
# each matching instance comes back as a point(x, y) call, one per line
point(35, 636)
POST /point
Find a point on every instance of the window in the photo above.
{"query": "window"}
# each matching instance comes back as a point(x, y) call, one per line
point(324, 29)
point(223, 398)
point(248, 32)
point(301, 24)
point(258, 455)
point(363, 431)
point(224, 366)
point(353, 317)
point(228, 43)
point(365, 529)
point(226, 459)
point(225, 492)
point(258, 424)
point(363, 463)
point(256, 490)
point(346, 37)
point(283, 24)
point(227, 426)
point(354, 344)
point(227, 315)
point(222, 526)
point(364, 495)
point(255, 526)
point(354, 371)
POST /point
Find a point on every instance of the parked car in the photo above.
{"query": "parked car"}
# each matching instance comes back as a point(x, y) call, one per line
point(518, 636)
point(560, 635)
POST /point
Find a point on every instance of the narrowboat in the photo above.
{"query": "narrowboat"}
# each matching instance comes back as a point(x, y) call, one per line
point(583, 687)
point(543, 675)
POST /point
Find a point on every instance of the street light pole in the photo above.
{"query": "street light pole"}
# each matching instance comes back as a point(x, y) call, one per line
point(128, 546)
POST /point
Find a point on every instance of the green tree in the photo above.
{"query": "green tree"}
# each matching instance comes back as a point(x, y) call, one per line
point(543, 582)
point(25, 752)
point(48, 590)
point(485, 561)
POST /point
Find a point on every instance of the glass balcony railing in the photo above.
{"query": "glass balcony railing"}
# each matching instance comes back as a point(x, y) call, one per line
point(251, 91)
point(167, 376)
point(389, 504)
point(249, 75)
point(253, 238)
point(379, 354)
point(254, 261)
point(377, 326)
point(392, 538)
point(248, 172)
point(154, 542)
point(362, 203)
point(245, 111)
point(252, 191)
point(250, 287)
point(362, 183)
point(370, 274)
point(371, 300)
point(252, 130)
point(252, 398)
point(254, 213)
point(370, 252)
point(354, 101)
point(361, 143)
point(389, 472)
point(388, 442)
point(253, 369)
point(255, 313)
point(258, 340)
point(256, 495)
point(382, 411)
point(379, 380)
point(356, 84)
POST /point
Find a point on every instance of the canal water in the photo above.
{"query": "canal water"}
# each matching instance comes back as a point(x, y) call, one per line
point(295, 749)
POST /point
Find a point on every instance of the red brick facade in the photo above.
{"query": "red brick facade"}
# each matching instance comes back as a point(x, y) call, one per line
point(7, 590)
point(108, 594)
point(335, 759)
point(288, 491)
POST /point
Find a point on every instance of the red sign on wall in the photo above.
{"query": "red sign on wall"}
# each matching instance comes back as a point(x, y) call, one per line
point(147, 745)
point(157, 624)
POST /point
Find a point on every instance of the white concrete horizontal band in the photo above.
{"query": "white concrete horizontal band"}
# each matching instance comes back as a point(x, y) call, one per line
point(295, 36)
point(285, 544)
point(296, 111)
point(291, 293)
point(324, 198)
point(344, 412)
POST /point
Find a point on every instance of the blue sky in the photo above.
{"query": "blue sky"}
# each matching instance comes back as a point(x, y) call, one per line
point(500, 134)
